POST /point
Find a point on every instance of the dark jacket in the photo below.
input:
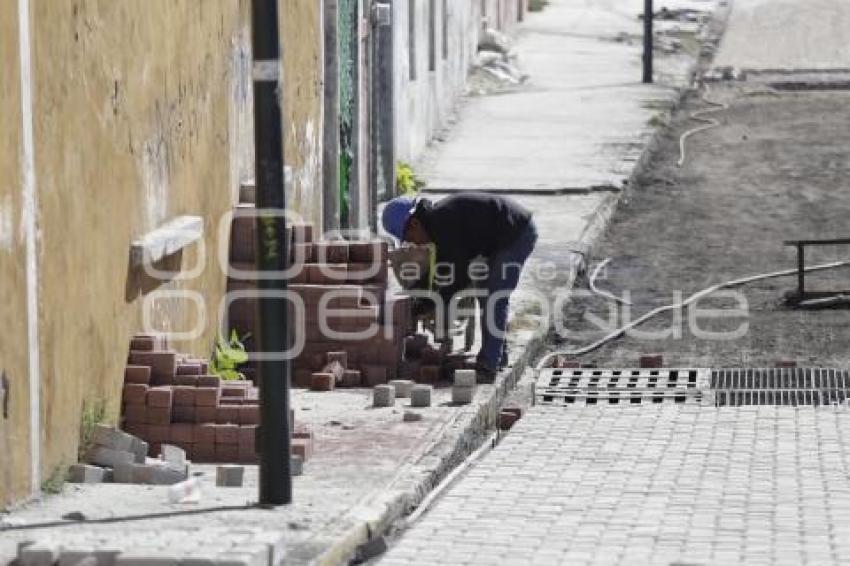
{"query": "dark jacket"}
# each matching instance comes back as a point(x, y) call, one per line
point(469, 225)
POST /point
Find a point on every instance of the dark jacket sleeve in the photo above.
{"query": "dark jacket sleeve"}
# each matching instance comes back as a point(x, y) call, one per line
point(451, 280)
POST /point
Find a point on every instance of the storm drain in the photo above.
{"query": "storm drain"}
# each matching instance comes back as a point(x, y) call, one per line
point(780, 386)
point(620, 386)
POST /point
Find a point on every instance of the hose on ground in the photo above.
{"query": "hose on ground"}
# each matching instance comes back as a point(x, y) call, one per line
point(692, 299)
point(708, 123)
point(602, 293)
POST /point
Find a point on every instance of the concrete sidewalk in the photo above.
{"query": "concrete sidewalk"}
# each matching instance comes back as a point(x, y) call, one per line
point(583, 122)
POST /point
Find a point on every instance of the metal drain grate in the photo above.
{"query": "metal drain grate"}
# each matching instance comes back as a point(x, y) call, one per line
point(620, 386)
point(780, 386)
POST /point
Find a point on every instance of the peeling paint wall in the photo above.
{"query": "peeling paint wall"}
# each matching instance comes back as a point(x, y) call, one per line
point(14, 397)
point(424, 103)
point(302, 37)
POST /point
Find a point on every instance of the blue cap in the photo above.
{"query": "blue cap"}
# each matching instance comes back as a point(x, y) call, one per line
point(397, 213)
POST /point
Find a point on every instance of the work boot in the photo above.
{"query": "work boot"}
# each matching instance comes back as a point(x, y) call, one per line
point(484, 375)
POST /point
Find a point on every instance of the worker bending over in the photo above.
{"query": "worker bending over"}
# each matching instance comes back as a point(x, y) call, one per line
point(462, 228)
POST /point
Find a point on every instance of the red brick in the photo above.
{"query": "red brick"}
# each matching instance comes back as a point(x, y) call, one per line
point(227, 434)
point(366, 273)
point(207, 396)
point(182, 414)
point(137, 430)
point(158, 415)
point(143, 344)
point(303, 377)
point(374, 375)
point(431, 356)
point(136, 414)
point(231, 401)
point(331, 252)
point(562, 362)
point(248, 435)
point(227, 453)
point(368, 252)
point(203, 452)
point(135, 394)
point(247, 455)
point(351, 378)
point(186, 380)
point(305, 253)
point(154, 449)
point(303, 233)
point(302, 433)
point(227, 414)
point(188, 369)
point(205, 414)
point(209, 381)
point(302, 447)
point(249, 415)
point(429, 375)
point(652, 361)
point(159, 433)
point(137, 375)
point(162, 396)
point(184, 396)
point(786, 364)
point(233, 391)
point(204, 433)
point(326, 273)
point(507, 419)
point(163, 365)
point(182, 434)
point(322, 382)
point(243, 235)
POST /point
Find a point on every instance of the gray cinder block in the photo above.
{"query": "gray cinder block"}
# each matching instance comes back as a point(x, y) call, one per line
point(464, 378)
point(420, 396)
point(85, 473)
point(229, 475)
point(383, 395)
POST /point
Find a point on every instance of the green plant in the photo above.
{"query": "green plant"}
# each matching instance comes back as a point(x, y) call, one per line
point(228, 356)
point(93, 414)
point(406, 180)
point(537, 5)
point(55, 482)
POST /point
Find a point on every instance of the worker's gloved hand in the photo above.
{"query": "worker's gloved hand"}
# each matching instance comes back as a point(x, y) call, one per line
point(423, 307)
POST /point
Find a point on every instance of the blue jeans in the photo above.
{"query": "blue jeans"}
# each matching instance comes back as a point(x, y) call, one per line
point(504, 269)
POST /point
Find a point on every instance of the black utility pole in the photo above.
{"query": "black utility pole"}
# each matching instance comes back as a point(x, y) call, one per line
point(648, 55)
point(273, 441)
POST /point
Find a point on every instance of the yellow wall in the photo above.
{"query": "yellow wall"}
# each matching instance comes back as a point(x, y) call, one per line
point(142, 112)
point(14, 428)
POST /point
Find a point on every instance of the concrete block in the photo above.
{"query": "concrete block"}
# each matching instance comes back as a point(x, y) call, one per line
point(464, 378)
point(164, 475)
point(111, 437)
point(296, 465)
point(383, 396)
point(163, 365)
point(420, 395)
point(229, 475)
point(124, 472)
point(182, 414)
point(38, 554)
point(302, 447)
point(146, 558)
point(402, 387)
point(462, 395)
point(412, 416)
point(139, 450)
point(174, 457)
point(108, 457)
point(84, 473)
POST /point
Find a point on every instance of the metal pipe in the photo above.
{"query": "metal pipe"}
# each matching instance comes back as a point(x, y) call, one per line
point(648, 54)
point(272, 256)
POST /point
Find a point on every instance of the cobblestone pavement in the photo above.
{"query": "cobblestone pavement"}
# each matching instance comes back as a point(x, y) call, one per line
point(658, 484)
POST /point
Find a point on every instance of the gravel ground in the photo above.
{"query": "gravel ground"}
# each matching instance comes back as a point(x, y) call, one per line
point(775, 170)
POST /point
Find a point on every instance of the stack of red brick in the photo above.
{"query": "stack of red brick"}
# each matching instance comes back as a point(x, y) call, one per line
point(349, 276)
point(169, 398)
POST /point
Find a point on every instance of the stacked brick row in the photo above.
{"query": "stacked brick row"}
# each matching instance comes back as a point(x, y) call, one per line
point(345, 275)
point(171, 399)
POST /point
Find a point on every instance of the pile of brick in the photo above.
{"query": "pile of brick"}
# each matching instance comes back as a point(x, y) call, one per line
point(115, 456)
point(346, 275)
point(169, 398)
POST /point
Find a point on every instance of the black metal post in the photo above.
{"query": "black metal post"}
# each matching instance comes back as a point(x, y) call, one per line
point(272, 255)
point(801, 271)
point(648, 39)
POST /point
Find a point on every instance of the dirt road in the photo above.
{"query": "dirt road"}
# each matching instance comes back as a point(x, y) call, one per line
point(778, 168)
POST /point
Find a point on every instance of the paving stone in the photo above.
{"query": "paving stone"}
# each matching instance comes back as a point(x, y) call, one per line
point(38, 554)
point(462, 395)
point(85, 473)
point(464, 378)
point(420, 396)
point(402, 387)
point(107, 457)
point(383, 396)
point(229, 476)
